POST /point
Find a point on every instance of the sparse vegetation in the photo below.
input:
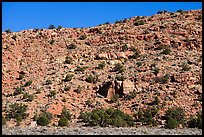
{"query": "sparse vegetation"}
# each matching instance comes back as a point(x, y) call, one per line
point(196, 121)
point(78, 90)
point(101, 65)
point(52, 93)
point(82, 37)
point(44, 119)
point(80, 69)
point(28, 97)
point(68, 77)
point(155, 71)
point(72, 46)
point(17, 111)
point(120, 77)
point(18, 90)
point(104, 118)
point(148, 116)
point(3, 120)
point(51, 26)
point(8, 31)
point(174, 117)
point(141, 22)
point(52, 41)
point(68, 60)
point(48, 82)
point(92, 78)
point(66, 88)
point(119, 68)
point(28, 83)
point(21, 76)
point(185, 67)
point(115, 98)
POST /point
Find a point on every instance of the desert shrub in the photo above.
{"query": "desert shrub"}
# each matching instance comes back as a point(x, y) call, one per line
point(104, 118)
point(78, 90)
point(72, 46)
point(82, 37)
point(3, 120)
point(63, 121)
point(17, 111)
point(28, 97)
point(66, 113)
point(14, 37)
point(199, 17)
point(52, 93)
point(68, 77)
point(59, 27)
point(155, 71)
point(162, 79)
point(101, 65)
point(51, 27)
point(118, 21)
point(119, 67)
point(131, 95)
point(44, 118)
point(52, 41)
point(120, 77)
point(66, 88)
point(68, 60)
point(160, 12)
point(156, 101)
point(64, 99)
point(180, 11)
point(160, 47)
point(174, 117)
point(28, 83)
point(48, 82)
point(80, 69)
point(21, 76)
point(141, 22)
point(92, 78)
point(139, 64)
point(136, 53)
point(124, 48)
point(147, 116)
point(196, 121)
point(166, 51)
point(115, 98)
point(185, 67)
point(18, 90)
point(8, 31)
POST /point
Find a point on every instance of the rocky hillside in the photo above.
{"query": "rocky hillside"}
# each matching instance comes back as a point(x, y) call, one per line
point(130, 65)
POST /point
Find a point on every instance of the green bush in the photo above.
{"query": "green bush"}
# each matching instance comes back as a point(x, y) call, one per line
point(44, 119)
point(80, 69)
point(119, 67)
point(92, 78)
point(63, 122)
point(18, 90)
point(59, 27)
point(52, 93)
point(166, 51)
point(185, 67)
point(174, 116)
point(28, 83)
point(8, 31)
point(66, 88)
point(52, 41)
point(68, 60)
point(199, 17)
point(48, 82)
point(155, 71)
point(147, 116)
point(21, 76)
point(3, 120)
point(78, 90)
point(141, 22)
point(82, 37)
point(101, 65)
point(66, 113)
point(131, 95)
point(120, 77)
point(71, 46)
point(68, 77)
point(104, 118)
point(115, 98)
point(196, 121)
point(51, 27)
point(162, 79)
point(28, 97)
point(17, 112)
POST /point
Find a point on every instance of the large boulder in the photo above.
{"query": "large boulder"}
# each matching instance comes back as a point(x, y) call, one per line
point(128, 86)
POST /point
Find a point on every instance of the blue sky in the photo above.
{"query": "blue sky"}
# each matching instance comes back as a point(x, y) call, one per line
point(19, 16)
